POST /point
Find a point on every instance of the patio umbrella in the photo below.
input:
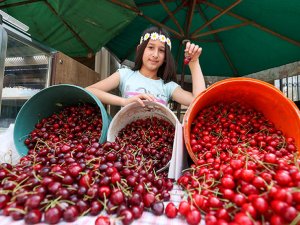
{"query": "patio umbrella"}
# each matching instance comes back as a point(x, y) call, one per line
point(76, 28)
point(238, 37)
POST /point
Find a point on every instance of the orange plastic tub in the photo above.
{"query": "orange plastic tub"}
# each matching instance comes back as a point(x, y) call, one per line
point(257, 94)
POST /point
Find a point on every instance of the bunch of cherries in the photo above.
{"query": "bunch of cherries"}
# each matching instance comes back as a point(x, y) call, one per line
point(246, 172)
point(67, 173)
point(150, 139)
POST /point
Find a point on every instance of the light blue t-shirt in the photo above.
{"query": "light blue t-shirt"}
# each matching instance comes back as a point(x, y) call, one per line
point(133, 83)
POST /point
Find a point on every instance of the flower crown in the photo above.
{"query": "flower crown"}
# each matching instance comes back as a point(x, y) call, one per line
point(155, 36)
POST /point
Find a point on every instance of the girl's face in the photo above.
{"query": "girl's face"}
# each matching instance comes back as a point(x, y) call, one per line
point(154, 55)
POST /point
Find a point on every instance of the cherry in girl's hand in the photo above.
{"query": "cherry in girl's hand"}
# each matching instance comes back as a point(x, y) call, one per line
point(191, 52)
point(186, 60)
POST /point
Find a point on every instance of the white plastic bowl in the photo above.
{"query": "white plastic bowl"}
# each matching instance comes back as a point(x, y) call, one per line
point(135, 111)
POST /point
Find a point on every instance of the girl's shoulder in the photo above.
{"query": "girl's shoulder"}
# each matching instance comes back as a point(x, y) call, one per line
point(171, 86)
point(127, 75)
point(126, 71)
point(171, 83)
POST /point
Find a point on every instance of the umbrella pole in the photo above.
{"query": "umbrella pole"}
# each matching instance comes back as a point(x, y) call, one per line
point(181, 84)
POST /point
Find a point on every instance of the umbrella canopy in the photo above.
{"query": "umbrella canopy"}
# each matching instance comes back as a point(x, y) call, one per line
point(76, 28)
point(238, 37)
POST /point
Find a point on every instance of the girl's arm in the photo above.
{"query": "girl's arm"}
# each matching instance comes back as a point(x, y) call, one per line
point(101, 89)
point(198, 84)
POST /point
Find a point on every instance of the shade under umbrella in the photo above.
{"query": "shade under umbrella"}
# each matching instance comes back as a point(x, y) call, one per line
point(76, 28)
point(237, 37)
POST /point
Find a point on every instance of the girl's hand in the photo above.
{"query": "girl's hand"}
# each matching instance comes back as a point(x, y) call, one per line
point(140, 98)
point(192, 51)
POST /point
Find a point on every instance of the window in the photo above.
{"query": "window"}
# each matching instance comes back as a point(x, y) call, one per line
point(290, 86)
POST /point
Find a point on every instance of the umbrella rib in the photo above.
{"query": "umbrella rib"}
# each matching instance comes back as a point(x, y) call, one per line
point(155, 22)
point(126, 6)
point(216, 17)
point(174, 11)
point(221, 29)
point(152, 3)
point(190, 17)
point(69, 27)
point(220, 44)
point(253, 23)
point(18, 3)
point(140, 13)
point(203, 40)
point(172, 17)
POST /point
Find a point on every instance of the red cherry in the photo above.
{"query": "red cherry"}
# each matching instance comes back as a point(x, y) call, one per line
point(70, 214)
point(33, 216)
point(193, 217)
point(186, 61)
point(102, 220)
point(148, 199)
point(184, 208)
point(171, 210)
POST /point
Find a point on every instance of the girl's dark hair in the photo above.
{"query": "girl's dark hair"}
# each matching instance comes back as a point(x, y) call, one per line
point(167, 71)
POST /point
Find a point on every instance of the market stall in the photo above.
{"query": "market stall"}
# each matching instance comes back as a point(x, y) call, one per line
point(79, 166)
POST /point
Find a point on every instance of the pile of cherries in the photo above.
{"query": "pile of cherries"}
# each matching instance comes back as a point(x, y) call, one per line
point(67, 173)
point(150, 139)
point(74, 127)
point(246, 171)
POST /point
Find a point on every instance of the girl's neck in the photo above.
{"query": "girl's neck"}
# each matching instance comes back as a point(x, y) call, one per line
point(149, 74)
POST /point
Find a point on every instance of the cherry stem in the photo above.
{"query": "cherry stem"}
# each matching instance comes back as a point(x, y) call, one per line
point(52, 203)
point(124, 190)
point(9, 171)
point(85, 212)
point(19, 185)
point(36, 176)
point(258, 161)
point(296, 220)
point(17, 210)
point(22, 194)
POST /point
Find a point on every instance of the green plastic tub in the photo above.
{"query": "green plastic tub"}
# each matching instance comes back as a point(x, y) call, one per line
point(49, 101)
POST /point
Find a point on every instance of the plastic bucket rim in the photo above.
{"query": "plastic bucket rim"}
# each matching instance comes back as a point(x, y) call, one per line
point(105, 118)
point(231, 80)
point(136, 103)
point(146, 102)
point(219, 84)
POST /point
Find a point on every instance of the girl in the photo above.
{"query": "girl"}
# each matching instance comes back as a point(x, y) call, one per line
point(153, 75)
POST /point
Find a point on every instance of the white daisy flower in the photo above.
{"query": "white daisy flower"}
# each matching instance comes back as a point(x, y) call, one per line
point(141, 40)
point(154, 36)
point(169, 42)
point(162, 38)
point(146, 36)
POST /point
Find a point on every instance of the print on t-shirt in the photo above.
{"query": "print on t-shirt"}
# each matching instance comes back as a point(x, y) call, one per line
point(141, 90)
